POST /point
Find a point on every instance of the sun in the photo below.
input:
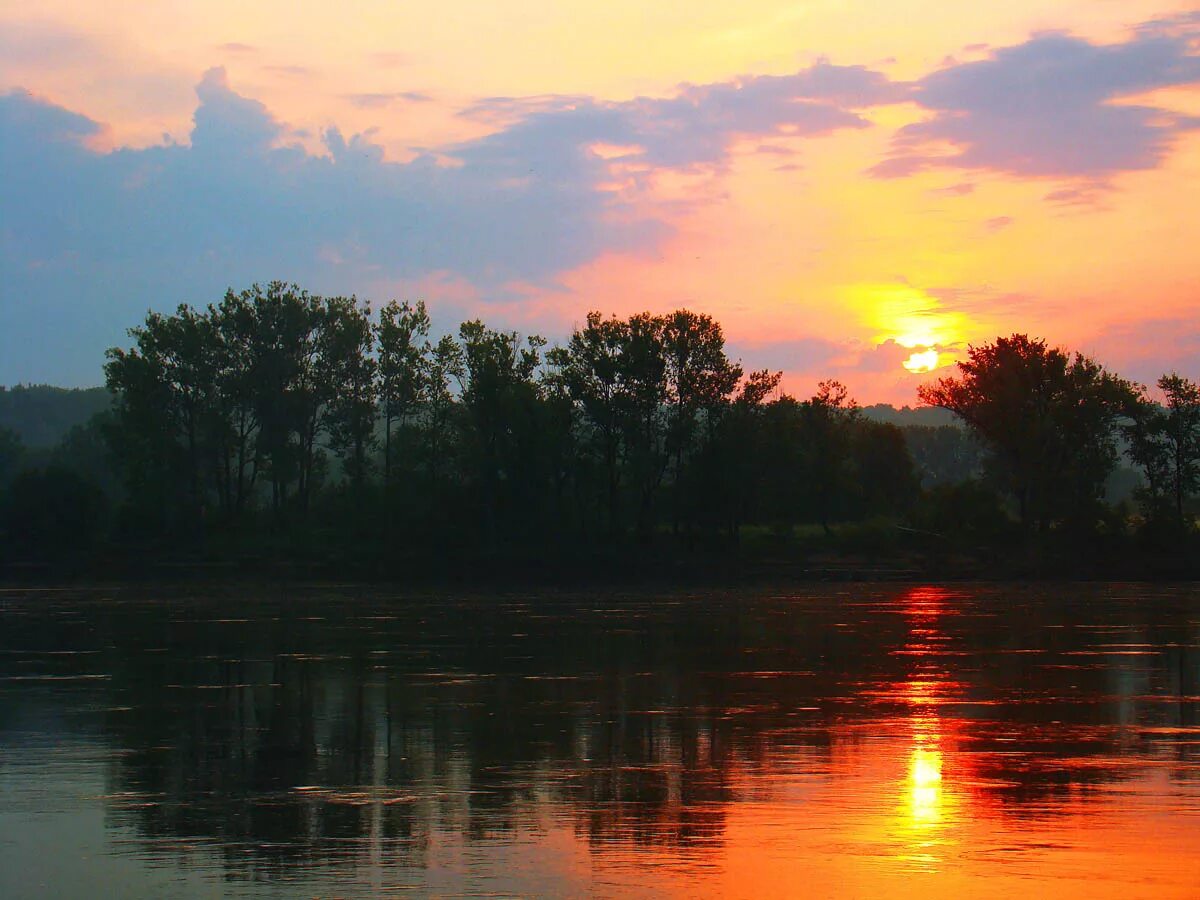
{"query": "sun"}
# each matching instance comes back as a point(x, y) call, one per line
point(922, 362)
point(907, 316)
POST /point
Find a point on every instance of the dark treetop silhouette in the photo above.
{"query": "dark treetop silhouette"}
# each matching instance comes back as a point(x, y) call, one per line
point(279, 423)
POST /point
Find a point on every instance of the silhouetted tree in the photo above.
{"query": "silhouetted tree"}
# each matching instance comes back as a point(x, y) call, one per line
point(279, 364)
point(590, 370)
point(732, 468)
point(346, 344)
point(53, 513)
point(643, 373)
point(636, 423)
point(402, 335)
point(700, 380)
point(445, 369)
point(158, 384)
point(944, 454)
point(12, 451)
point(87, 451)
point(1049, 420)
point(885, 479)
point(828, 421)
point(1165, 442)
point(238, 401)
point(499, 392)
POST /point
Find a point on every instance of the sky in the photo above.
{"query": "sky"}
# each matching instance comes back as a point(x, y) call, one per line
point(855, 190)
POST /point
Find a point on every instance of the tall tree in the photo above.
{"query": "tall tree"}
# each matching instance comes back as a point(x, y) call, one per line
point(827, 422)
point(499, 388)
point(589, 369)
point(402, 335)
point(293, 383)
point(733, 465)
point(445, 370)
point(164, 388)
point(885, 478)
point(700, 381)
point(1050, 421)
point(643, 397)
point(348, 373)
point(1165, 442)
point(236, 324)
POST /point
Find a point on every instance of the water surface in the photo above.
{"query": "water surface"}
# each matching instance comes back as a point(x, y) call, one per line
point(856, 740)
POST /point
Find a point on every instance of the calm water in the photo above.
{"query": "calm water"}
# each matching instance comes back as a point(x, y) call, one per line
point(824, 741)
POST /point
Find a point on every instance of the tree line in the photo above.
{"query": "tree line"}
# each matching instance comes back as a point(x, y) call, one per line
point(277, 418)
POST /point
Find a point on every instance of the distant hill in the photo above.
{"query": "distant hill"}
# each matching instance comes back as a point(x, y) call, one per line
point(907, 415)
point(41, 414)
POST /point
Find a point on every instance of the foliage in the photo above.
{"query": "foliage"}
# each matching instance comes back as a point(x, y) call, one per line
point(1165, 442)
point(282, 421)
point(969, 513)
point(12, 452)
point(52, 514)
point(1049, 420)
point(404, 369)
point(944, 454)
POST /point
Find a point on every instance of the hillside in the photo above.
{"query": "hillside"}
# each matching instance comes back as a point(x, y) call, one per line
point(907, 415)
point(41, 414)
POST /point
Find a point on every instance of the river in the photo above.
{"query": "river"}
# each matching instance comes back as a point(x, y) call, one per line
point(849, 740)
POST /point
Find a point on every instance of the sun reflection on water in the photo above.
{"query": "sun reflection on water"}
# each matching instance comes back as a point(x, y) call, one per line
point(926, 811)
point(925, 786)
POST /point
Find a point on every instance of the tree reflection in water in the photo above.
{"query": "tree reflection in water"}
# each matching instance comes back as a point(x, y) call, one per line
point(337, 729)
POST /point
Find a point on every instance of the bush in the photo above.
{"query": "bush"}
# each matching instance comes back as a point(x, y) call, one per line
point(965, 513)
point(53, 513)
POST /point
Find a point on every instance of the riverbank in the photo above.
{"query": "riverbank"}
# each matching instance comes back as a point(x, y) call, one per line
point(850, 554)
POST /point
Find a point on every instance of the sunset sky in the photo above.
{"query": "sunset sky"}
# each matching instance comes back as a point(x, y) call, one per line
point(847, 186)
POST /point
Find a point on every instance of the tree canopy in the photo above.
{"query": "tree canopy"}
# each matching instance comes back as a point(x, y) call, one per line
point(1050, 421)
point(279, 418)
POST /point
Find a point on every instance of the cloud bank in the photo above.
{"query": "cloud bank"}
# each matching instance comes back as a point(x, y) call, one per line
point(1056, 105)
point(90, 239)
point(95, 238)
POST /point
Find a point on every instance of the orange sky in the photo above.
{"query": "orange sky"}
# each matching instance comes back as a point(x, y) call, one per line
point(1026, 209)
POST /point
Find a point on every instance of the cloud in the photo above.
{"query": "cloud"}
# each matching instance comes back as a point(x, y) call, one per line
point(982, 301)
point(228, 125)
point(774, 150)
point(237, 47)
point(696, 127)
point(962, 189)
point(998, 223)
point(1090, 195)
point(103, 236)
point(887, 358)
point(39, 122)
point(1054, 106)
point(382, 100)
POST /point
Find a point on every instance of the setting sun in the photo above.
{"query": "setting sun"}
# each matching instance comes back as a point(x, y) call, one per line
point(925, 361)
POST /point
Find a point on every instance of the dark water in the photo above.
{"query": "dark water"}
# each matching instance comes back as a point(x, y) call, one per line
point(823, 741)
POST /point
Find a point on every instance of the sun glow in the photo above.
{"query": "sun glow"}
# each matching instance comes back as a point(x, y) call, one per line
point(923, 361)
point(925, 785)
point(908, 317)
